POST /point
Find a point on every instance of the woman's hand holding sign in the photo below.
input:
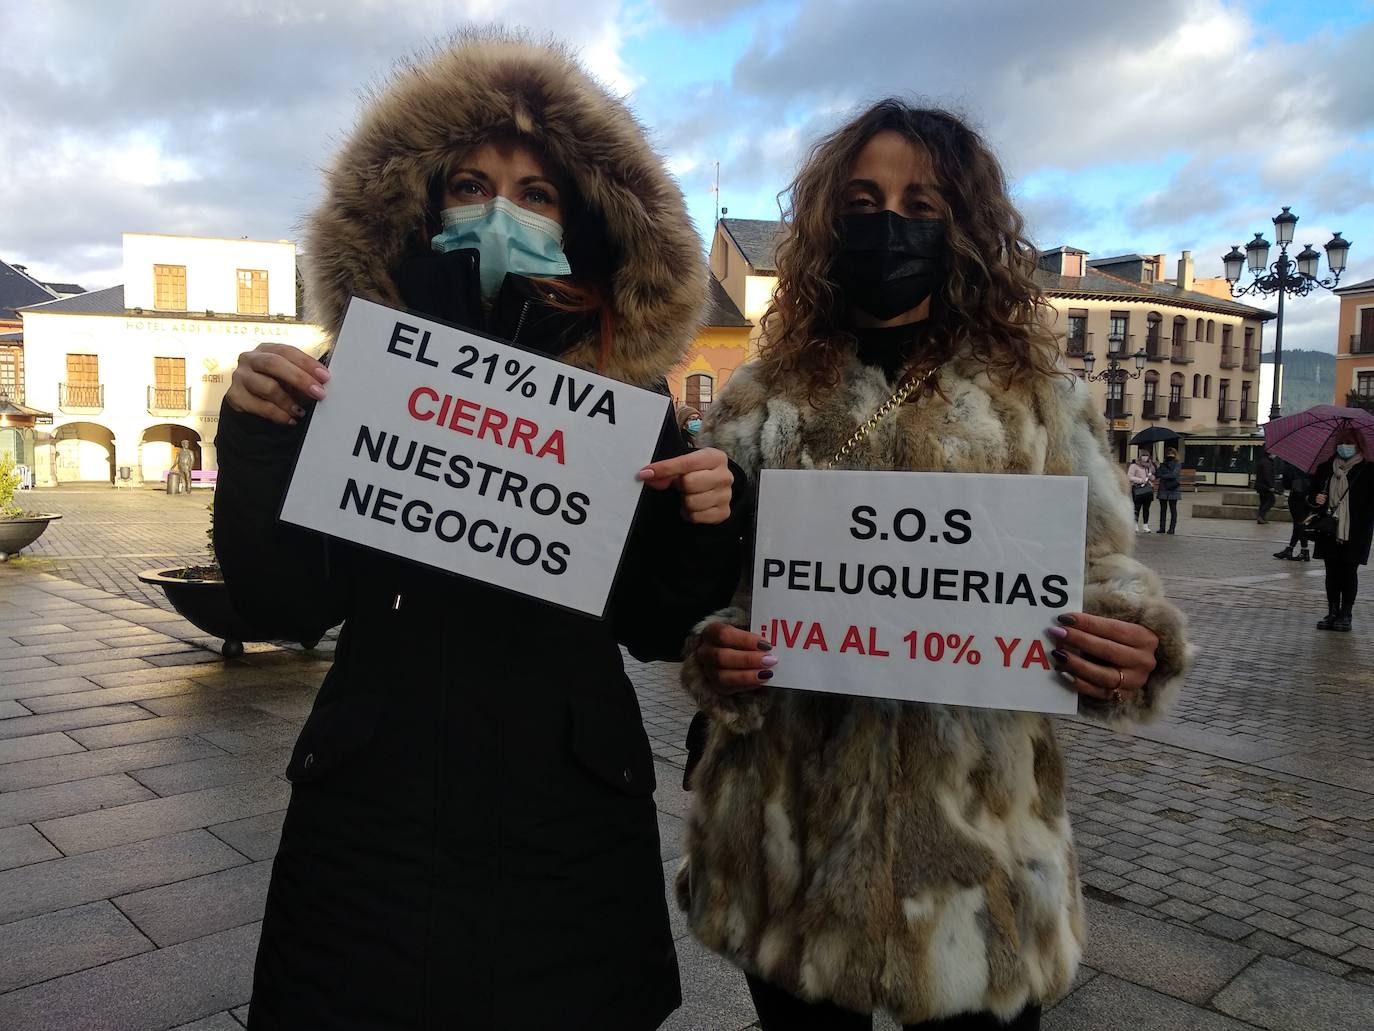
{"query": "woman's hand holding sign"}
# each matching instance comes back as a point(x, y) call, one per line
point(735, 660)
point(1114, 658)
point(704, 479)
point(274, 380)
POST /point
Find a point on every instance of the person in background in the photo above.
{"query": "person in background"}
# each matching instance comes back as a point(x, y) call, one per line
point(689, 422)
point(1168, 480)
point(1345, 491)
point(1139, 475)
point(1297, 483)
point(1264, 485)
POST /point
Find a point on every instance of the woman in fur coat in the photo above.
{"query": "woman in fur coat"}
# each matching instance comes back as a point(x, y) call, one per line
point(855, 854)
point(471, 840)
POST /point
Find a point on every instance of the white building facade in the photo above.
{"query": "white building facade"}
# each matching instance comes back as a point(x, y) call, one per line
point(131, 371)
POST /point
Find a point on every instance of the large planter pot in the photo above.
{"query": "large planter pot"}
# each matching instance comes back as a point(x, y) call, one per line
point(205, 603)
point(20, 532)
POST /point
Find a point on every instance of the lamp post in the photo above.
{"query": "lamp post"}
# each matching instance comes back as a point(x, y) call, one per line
point(1283, 277)
point(1113, 374)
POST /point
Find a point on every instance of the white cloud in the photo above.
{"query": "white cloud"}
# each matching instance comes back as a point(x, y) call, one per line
point(210, 118)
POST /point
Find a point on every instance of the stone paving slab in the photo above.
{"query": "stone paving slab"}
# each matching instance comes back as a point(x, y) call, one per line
point(47, 946)
point(142, 757)
point(30, 805)
point(1177, 961)
point(257, 837)
point(72, 880)
point(199, 906)
point(22, 845)
point(1282, 996)
point(216, 1022)
point(139, 821)
point(19, 749)
point(1109, 1003)
point(154, 990)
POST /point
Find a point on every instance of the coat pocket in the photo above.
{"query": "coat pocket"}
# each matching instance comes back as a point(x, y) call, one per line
point(608, 740)
point(336, 733)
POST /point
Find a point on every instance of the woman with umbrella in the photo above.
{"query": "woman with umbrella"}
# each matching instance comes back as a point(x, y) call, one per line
point(1338, 444)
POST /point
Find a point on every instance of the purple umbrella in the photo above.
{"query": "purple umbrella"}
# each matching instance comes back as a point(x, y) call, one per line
point(1309, 438)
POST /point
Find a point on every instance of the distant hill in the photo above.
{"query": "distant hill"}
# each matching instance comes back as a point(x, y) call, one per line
point(1309, 378)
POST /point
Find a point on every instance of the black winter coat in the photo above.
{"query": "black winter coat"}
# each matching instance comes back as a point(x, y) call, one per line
point(471, 841)
point(1361, 479)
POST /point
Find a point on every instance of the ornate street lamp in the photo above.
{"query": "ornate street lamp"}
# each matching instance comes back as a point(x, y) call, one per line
point(1113, 373)
point(1283, 277)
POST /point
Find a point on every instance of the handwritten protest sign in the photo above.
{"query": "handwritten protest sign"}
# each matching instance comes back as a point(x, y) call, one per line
point(475, 457)
point(931, 587)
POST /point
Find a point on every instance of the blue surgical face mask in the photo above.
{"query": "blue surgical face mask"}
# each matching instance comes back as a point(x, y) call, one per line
point(694, 426)
point(507, 237)
point(1345, 450)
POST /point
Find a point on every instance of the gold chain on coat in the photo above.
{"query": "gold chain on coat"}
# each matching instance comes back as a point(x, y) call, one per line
point(909, 386)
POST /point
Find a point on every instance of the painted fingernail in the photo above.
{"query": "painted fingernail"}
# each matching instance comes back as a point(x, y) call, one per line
point(1057, 632)
point(1059, 656)
point(770, 660)
point(322, 374)
point(1067, 677)
point(290, 422)
point(644, 475)
point(298, 411)
point(1066, 619)
point(316, 391)
point(764, 646)
point(765, 674)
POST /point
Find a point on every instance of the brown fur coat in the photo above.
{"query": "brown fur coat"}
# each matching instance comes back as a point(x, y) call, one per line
point(908, 857)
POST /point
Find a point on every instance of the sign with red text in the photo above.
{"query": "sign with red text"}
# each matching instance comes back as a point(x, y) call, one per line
point(925, 587)
point(475, 457)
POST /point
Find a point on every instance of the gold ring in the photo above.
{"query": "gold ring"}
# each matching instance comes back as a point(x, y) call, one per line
point(1117, 697)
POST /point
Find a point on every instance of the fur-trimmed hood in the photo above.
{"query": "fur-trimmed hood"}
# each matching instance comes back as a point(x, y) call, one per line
point(450, 99)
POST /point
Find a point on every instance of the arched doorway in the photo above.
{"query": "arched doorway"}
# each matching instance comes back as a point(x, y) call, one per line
point(81, 452)
point(699, 389)
point(158, 449)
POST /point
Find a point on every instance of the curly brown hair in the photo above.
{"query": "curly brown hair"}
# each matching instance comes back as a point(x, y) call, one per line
point(988, 304)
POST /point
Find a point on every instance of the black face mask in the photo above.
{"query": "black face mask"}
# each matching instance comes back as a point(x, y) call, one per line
point(888, 264)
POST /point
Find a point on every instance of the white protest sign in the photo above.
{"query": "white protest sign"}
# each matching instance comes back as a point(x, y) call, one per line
point(452, 450)
point(929, 587)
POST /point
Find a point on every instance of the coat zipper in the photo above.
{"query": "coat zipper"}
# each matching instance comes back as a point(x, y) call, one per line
point(520, 323)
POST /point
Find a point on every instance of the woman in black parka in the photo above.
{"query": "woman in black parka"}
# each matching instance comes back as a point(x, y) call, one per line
point(471, 840)
point(1343, 486)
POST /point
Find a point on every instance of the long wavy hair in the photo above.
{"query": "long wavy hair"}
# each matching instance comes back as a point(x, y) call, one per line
point(989, 304)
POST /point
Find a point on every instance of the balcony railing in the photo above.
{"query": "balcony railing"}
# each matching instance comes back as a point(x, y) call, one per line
point(1117, 407)
point(1250, 362)
point(1228, 411)
point(1152, 408)
point(1361, 344)
point(1247, 411)
point(1156, 348)
point(1180, 351)
point(15, 392)
point(1228, 357)
point(1180, 409)
point(82, 397)
point(1120, 343)
point(1076, 345)
point(162, 400)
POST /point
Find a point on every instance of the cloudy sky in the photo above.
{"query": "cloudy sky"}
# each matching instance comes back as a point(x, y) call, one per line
point(1151, 127)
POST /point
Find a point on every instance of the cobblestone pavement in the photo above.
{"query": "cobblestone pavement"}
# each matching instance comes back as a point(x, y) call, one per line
point(1227, 852)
